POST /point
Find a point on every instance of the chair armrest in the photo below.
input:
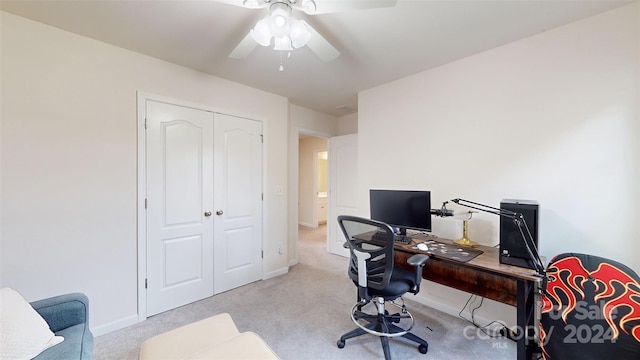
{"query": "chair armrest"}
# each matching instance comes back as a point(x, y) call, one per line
point(418, 261)
point(63, 311)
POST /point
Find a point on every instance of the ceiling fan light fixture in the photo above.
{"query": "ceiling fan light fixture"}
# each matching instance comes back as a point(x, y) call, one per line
point(280, 10)
point(252, 4)
point(279, 24)
point(299, 34)
point(279, 21)
point(261, 32)
point(282, 43)
point(308, 6)
point(287, 31)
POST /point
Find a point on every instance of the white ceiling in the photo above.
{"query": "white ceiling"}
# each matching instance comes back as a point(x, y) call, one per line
point(376, 45)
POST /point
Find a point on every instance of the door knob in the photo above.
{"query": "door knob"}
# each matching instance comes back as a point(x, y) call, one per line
point(207, 213)
point(219, 212)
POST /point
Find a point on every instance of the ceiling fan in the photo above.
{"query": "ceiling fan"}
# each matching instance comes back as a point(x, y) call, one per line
point(288, 32)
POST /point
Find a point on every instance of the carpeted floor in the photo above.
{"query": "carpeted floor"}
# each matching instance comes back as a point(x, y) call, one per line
point(302, 314)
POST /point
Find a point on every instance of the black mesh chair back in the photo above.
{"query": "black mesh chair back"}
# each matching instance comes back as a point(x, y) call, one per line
point(371, 247)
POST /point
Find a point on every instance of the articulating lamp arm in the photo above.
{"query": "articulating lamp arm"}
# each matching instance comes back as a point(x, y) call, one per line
point(518, 219)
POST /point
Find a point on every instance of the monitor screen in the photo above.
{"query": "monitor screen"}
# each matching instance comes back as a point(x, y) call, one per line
point(404, 209)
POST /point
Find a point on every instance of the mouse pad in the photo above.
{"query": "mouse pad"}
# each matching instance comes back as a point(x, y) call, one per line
point(450, 251)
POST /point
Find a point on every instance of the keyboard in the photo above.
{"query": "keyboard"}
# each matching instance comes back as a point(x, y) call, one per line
point(396, 237)
point(401, 238)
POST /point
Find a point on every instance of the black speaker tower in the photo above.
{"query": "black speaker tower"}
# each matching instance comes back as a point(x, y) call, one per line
point(512, 246)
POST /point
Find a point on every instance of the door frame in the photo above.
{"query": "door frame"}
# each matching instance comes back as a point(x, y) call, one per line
point(294, 185)
point(141, 191)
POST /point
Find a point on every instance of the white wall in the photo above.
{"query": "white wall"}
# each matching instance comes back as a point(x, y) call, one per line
point(552, 118)
point(307, 198)
point(348, 124)
point(312, 122)
point(69, 162)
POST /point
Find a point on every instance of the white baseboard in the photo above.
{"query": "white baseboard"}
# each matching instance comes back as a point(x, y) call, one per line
point(115, 325)
point(276, 273)
point(134, 319)
point(309, 225)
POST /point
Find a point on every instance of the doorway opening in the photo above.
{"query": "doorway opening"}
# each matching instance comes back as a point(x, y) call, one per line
point(312, 187)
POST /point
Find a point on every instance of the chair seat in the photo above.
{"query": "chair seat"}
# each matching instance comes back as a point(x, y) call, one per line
point(402, 280)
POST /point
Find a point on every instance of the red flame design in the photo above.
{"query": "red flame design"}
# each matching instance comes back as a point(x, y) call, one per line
point(543, 335)
point(566, 279)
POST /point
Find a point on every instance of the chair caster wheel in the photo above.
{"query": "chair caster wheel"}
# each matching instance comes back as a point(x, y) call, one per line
point(422, 348)
point(340, 344)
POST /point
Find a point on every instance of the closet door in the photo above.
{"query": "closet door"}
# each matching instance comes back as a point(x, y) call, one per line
point(179, 206)
point(204, 204)
point(238, 201)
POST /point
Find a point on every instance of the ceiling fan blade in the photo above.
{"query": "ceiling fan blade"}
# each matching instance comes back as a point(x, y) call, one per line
point(327, 6)
point(250, 4)
point(244, 48)
point(231, 2)
point(321, 6)
point(319, 45)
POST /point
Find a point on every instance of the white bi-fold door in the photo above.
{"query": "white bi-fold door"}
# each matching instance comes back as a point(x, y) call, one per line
point(204, 206)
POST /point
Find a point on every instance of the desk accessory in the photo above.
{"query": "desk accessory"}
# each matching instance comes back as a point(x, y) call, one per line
point(512, 249)
point(518, 220)
point(445, 250)
point(464, 241)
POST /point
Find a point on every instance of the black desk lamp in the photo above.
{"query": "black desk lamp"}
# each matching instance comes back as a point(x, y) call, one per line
point(517, 218)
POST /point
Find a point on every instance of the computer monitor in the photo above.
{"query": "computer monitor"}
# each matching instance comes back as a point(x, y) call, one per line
point(404, 209)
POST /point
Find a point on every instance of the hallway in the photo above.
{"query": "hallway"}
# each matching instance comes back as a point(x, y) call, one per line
point(312, 250)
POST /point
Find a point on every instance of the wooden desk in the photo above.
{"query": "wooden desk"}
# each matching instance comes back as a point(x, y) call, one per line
point(484, 276)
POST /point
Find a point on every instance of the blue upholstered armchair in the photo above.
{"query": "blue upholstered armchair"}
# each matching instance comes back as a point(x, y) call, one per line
point(68, 316)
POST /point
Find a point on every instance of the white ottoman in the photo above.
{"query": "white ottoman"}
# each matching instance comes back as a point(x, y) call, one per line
point(216, 337)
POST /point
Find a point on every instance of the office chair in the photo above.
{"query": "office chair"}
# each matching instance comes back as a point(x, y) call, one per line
point(590, 309)
point(372, 270)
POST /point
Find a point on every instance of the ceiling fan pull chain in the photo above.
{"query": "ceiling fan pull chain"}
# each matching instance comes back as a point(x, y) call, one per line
point(281, 67)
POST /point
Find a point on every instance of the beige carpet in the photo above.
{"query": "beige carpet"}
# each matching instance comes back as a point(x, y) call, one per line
point(302, 314)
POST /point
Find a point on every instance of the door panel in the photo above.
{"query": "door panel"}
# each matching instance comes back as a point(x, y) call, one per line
point(238, 202)
point(343, 181)
point(179, 192)
point(183, 150)
point(179, 271)
point(238, 241)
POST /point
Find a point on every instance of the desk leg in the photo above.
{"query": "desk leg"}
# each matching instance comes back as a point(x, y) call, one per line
point(525, 320)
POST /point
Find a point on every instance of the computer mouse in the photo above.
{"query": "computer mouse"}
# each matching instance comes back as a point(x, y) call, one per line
point(423, 247)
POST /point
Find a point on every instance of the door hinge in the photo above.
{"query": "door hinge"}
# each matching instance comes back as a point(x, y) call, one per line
point(145, 123)
point(146, 283)
point(145, 203)
point(261, 138)
point(262, 196)
point(262, 254)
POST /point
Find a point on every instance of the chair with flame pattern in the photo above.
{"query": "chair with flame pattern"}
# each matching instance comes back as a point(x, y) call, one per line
point(590, 309)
